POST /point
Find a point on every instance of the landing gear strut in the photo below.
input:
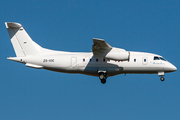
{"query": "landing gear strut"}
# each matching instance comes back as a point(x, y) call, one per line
point(162, 78)
point(161, 74)
point(102, 77)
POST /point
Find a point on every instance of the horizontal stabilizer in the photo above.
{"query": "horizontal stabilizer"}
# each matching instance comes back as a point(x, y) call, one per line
point(13, 25)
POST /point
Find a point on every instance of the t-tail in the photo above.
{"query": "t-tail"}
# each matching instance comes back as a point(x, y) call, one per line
point(25, 48)
point(21, 41)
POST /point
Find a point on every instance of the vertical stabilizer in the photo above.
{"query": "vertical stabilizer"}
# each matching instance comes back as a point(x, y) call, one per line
point(21, 41)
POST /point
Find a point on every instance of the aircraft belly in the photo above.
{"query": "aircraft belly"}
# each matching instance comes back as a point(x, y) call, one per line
point(142, 69)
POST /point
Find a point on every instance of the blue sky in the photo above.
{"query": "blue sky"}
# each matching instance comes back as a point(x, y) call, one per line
point(141, 25)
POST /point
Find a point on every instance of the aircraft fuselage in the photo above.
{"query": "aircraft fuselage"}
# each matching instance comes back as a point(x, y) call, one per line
point(87, 63)
point(103, 61)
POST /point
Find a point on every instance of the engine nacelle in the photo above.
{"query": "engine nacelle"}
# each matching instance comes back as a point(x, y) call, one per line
point(117, 54)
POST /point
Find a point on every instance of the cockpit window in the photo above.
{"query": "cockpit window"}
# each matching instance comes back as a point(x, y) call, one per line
point(159, 58)
point(156, 58)
point(162, 58)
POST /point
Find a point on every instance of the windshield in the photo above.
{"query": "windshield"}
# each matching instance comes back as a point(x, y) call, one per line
point(162, 58)
point(156, 58)
point(159, 58)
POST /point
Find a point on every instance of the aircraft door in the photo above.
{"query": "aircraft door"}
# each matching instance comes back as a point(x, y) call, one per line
point(73, 62)
point(145, 60)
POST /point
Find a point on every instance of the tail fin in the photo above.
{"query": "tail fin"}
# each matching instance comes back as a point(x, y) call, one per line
point(22, 42)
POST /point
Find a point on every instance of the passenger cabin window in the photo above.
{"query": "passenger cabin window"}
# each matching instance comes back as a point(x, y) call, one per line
point(83, 60)
point(144, 60)
point(159, 58)
point(90, 60)
point(134, 60)
point(104, 60)
point(96, 60)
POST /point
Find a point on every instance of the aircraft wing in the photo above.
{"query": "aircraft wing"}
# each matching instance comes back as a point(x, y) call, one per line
point(100, 46)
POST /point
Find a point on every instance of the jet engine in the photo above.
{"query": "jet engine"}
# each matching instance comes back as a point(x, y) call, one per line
point(117, 54)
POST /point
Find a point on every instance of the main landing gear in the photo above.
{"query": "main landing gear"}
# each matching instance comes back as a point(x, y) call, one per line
point(102, 77)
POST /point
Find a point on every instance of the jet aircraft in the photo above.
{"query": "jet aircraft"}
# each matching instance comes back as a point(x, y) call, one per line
point(104, 60)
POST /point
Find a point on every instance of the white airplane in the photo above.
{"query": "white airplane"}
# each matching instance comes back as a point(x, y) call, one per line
point(104, 60)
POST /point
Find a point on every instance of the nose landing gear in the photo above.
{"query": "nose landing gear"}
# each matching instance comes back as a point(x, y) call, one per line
point(102, 77)
point(162, 78)
point(161, 74)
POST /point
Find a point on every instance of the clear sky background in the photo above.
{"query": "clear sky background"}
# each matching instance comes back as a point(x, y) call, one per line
point(135, 25)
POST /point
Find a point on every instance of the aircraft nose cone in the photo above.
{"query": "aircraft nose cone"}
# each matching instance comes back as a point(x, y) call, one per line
point(173, 68)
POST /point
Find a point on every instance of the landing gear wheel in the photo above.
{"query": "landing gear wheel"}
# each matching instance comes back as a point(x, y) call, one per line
point(102, 77)
point(162, 78)
point(103, 81)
